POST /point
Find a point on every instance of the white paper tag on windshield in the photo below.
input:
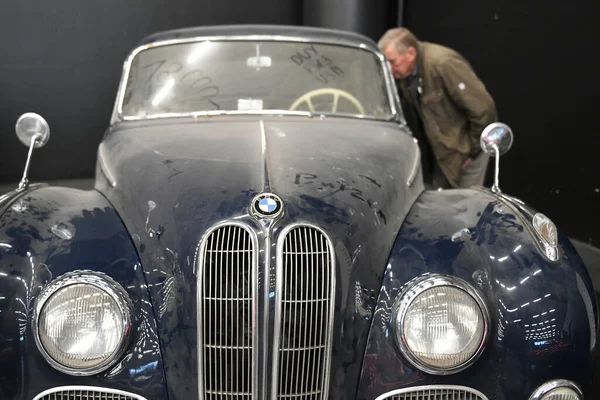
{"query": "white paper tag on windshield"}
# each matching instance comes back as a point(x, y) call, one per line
point(258, 62)
point(250, 104)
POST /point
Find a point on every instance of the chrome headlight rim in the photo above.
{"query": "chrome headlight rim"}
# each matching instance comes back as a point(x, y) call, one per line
point(412, 291)
point(102, 282)
point(548, 387)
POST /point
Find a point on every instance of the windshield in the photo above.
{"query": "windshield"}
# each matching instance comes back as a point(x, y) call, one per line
point(255, 76)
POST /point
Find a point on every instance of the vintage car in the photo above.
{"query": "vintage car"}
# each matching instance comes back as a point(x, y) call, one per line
point(259, 229)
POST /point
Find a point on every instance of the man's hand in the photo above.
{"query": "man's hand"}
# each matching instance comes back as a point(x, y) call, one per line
point(466, 163)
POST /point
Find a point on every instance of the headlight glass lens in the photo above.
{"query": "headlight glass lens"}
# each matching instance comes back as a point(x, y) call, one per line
point(557, 389)
point(443, 327)
point(81, 326)
point(561, 394)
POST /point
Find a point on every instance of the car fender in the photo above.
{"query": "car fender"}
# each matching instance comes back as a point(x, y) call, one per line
point(46, 232)
point(543, 314)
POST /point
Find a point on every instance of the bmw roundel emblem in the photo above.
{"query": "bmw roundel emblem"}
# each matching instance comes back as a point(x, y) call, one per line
point(267, 205)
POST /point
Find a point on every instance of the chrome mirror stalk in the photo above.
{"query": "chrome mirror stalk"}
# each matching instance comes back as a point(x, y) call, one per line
point(33, 131)
point(496, 185)
point(25, 180)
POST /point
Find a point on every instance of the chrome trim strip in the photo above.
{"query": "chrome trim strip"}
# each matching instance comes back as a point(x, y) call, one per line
point(549, 386)
point(277, 318)
point(103, 167)
point(432, 387)
point(263, 140)
point(88, 388)
point(8, 198)
point(103, 282)
point(278, 306)
point(199, 299)
point(4, 197)
point(416, 288)
point(393, 95)
point(416, 164)
point(393, 100)
point(272, 112)
point(265, 336)
point(215, 113)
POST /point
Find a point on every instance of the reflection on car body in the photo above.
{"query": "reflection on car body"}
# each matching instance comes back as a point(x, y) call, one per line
point(259, 229)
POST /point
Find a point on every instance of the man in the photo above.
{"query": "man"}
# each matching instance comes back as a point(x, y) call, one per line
point(450, 106)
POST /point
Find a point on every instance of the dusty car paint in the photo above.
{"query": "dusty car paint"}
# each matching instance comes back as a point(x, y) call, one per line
point(50, 231)
point(170, 192)
point(475, 236)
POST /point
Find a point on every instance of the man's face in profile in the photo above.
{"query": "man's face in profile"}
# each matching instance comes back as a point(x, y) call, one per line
point(402, 62)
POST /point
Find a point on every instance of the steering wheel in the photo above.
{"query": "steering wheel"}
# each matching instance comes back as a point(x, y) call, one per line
point(336, 93)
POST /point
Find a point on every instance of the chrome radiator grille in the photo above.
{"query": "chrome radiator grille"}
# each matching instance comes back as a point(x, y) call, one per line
point(434, 393)
point(86, 393)
point(304, 314)
point(227, 310)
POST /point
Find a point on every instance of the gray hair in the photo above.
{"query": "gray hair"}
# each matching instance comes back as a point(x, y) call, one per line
point(402, 38)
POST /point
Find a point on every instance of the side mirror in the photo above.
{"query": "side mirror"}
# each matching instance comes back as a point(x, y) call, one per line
point(496, 140)
point(33, 131)
point(31, 126)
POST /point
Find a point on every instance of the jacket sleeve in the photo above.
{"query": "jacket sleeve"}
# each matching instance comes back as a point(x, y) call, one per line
point(470, 95)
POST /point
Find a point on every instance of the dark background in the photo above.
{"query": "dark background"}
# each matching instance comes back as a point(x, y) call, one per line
point(63, 59)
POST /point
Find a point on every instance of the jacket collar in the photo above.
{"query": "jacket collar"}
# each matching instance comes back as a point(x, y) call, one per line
point(419, 71)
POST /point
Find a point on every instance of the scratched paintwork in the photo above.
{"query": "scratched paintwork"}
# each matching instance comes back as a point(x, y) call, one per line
point(43, 234)
point(170, 192)
point(473, 235)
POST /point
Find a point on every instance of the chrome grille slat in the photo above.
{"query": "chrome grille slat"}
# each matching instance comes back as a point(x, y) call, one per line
point(227, 393)
point(231, 252)
point(434, 392)
point(236, 301)
point(303, 313)
point(230, 299)
point(214, 346)
point(304, 348)
point(304, 301)
point(321, 306)
point(86, 393)
point(305, 253)
point(227, 295)
point(295, 396)
point(314, 294)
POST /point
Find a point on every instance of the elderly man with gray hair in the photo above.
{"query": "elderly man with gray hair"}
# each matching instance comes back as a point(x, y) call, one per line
point(448, 104)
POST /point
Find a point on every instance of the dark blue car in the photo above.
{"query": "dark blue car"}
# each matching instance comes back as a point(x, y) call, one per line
point(259, 229)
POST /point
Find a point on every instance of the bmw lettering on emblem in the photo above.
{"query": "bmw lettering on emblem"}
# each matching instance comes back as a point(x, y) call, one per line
point(267, 205)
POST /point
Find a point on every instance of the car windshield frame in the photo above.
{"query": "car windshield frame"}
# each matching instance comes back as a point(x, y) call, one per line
point(390, 93)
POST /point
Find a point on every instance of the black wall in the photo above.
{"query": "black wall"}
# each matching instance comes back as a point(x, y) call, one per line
point(368, 17)
point(539, 61)
point(63, 60)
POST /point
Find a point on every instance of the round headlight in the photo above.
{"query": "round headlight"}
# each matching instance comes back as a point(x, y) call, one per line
point(441, 324)
point(82, 322)
point(559, 389)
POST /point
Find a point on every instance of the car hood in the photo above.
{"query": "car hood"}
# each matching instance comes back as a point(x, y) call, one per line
point(171, 181)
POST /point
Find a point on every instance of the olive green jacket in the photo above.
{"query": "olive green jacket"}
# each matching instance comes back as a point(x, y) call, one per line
point(455, 106)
